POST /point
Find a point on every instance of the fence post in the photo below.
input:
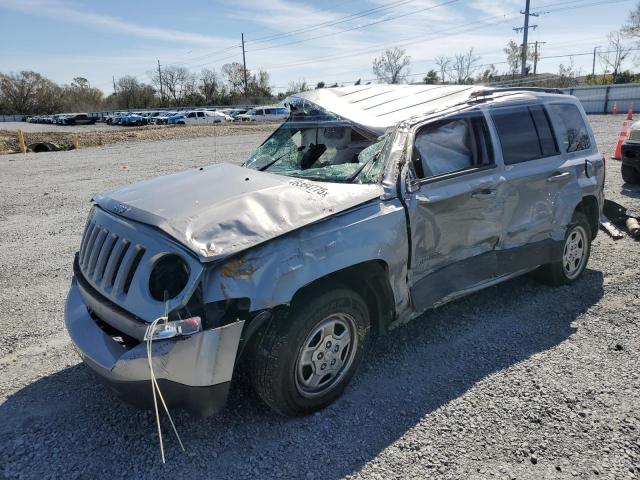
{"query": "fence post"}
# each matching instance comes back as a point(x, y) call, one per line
point(606, 99)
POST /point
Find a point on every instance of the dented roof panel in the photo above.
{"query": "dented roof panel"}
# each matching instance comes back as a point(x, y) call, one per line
point(379, 107)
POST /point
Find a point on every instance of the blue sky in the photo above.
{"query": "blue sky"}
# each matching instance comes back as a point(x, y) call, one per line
point(100, 39)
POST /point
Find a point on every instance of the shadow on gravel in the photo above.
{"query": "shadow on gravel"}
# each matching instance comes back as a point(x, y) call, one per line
point(69, 425)
point(630, 190)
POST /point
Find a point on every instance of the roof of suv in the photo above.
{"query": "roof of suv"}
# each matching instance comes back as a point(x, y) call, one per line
point(379, 107)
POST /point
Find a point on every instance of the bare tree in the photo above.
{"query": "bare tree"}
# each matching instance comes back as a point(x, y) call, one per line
point(392, 66)
point(178, 83)
point(616, 53)
point(567, 75)
point(233, 74)
point(29, 92)
point(632, 27)
point(464, 66)
point(298, 86)
point(443, 64)
point(209, 85)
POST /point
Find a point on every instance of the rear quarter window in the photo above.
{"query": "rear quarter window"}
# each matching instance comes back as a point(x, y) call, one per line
point(573, 131)
point(525, 133)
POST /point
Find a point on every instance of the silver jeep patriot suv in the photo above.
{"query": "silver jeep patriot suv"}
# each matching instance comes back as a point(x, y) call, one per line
point(369, 205)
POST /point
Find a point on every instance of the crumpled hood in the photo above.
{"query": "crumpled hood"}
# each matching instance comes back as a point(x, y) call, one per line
point(222, 209)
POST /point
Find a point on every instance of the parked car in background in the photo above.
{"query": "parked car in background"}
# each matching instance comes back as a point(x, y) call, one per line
point(237, 111)
point(176, 119)
point(114, 118)
point(79, 119)
point(368, 206)
point(264, 114)
point(132, 119)
point(163, 118)
point(198, 117)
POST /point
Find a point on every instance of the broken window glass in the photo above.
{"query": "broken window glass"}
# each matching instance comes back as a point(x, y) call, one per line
point(318, 145)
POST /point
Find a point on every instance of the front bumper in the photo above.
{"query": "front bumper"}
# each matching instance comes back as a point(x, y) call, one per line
point(193, 372)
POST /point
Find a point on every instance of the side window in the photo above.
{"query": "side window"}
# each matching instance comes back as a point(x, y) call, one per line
point(451, 146)
point(191, 115)
point(525, 133)
point(268, 111)
point(200, 114)
point(283, 111)
point(573, 131)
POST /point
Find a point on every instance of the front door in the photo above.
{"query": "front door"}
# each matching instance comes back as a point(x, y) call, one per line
point(455, 210)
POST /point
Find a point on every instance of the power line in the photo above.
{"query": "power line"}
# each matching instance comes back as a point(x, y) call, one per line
point(330, 23)
point(357, 27)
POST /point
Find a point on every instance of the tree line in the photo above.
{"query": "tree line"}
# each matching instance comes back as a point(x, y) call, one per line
point(28, 92)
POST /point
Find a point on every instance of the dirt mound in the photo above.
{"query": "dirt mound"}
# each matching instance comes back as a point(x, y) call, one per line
point(70, 140)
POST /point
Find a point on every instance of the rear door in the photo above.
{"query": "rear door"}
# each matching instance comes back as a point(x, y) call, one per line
point(535, 173)
point(455, 209)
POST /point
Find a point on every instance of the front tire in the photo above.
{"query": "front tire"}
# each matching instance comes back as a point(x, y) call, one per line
point(575, 254)
point(630, 174)
point(306, 359)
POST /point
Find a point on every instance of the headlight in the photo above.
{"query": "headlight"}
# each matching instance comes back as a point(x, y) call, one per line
point(164, 330)
point(169, 276)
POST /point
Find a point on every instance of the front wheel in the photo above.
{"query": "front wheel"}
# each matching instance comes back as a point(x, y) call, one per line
point(305, 361)
point(575, 254)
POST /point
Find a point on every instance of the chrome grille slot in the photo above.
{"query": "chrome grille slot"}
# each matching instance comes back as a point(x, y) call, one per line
point(95, 251)
point(105, 253)
point(108, 260)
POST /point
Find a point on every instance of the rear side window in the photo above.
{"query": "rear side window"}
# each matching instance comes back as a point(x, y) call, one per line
point(573, 130)
point(525, 133)
point(201, 114)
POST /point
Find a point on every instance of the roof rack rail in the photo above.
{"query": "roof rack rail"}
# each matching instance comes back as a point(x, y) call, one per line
point(494, 90)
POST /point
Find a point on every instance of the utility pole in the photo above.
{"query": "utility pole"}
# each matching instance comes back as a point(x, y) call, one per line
point(525, 35)
point(244, 63)
point(114, 84)
point(593, 68)
point(536, 56)
point(160, 82)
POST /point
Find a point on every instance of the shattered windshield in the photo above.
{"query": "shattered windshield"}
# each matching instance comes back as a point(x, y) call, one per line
point(318, 145)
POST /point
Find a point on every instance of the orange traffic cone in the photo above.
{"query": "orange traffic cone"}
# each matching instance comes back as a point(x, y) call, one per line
point(614, 110)
point(617, 154)
point(630, 112)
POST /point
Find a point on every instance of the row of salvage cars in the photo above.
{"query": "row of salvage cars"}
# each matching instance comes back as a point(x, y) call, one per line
point(366, 207)
point(63, 119)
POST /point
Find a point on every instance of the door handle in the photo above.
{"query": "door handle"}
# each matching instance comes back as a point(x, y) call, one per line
point(558, 176)
point(484, 193)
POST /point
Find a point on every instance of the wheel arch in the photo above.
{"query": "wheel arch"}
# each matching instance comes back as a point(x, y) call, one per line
point(590, 208)
point(370, 280)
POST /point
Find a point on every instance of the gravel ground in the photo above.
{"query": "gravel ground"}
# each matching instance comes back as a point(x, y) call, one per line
point(517, 381)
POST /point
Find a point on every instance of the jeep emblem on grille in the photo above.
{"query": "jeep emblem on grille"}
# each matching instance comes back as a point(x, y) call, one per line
point(120, 208)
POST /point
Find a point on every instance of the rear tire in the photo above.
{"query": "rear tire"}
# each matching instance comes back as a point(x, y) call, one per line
point(575, 254)
point(305, 361)
point(630, 174)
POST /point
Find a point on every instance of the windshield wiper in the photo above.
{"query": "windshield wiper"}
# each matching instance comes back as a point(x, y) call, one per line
point(262, 169)
point(358, 171)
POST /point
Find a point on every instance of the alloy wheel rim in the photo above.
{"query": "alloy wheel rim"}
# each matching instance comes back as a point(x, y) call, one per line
point(326, 355)
point(575, 252)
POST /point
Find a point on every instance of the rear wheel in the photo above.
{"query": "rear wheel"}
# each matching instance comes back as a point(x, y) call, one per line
point(575, 254)
point(630, 174)
point(305, 361)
